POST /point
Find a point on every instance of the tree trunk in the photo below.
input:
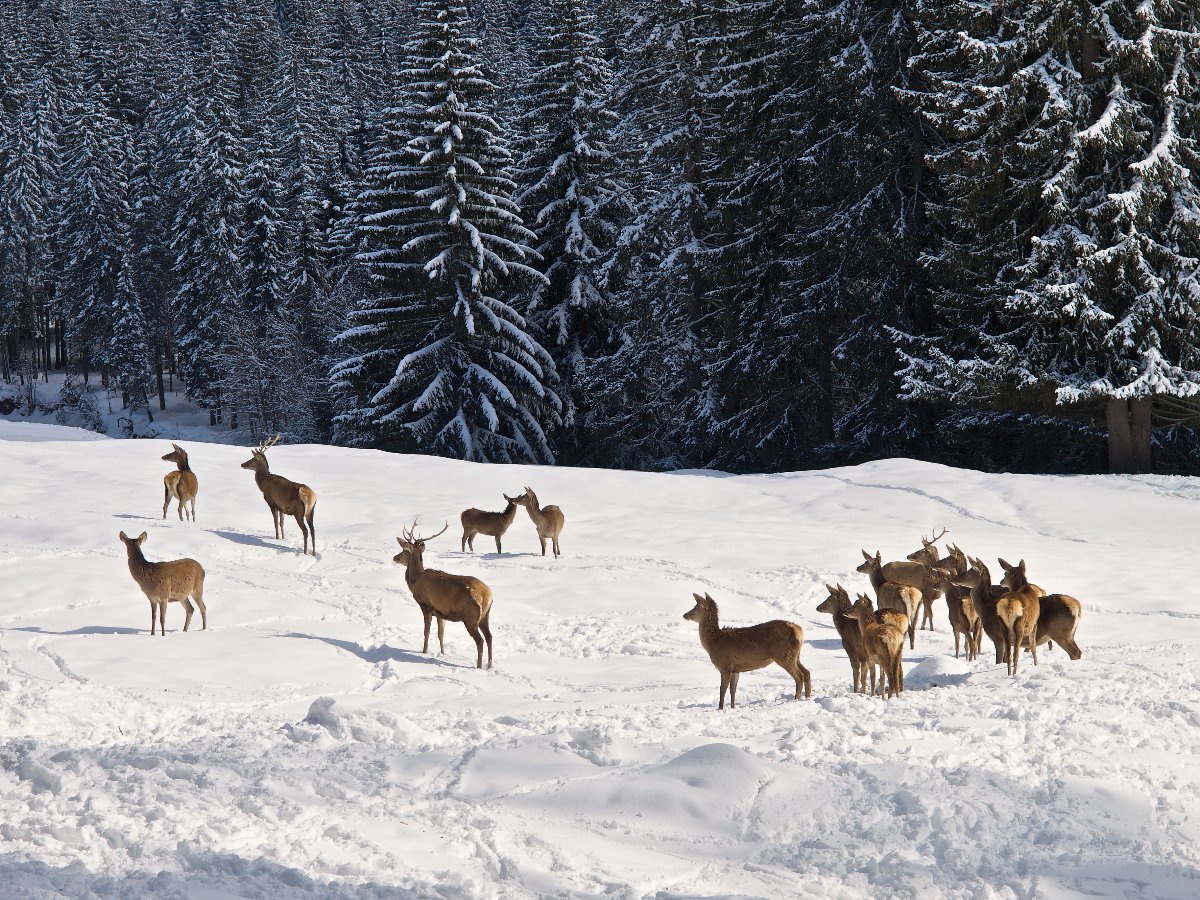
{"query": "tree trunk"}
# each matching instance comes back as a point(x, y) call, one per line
point(158, 380)
point(1128, 435)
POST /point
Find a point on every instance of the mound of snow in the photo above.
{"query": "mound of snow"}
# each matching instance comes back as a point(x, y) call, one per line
point(33, 432)
point(936, 671)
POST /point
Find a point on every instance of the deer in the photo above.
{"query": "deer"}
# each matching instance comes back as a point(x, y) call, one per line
point(181, 484)
point(1019, 610)
point(1059, 614)
point(984, 596)
point(901, 596)
point(446, 597)
point(838, 605)
point(884, 646)
point(166, 582)
point(928, 556)
point(964, 621)
point(284, 497)
point(548, 520)
point(737, 650)
point(478, 521)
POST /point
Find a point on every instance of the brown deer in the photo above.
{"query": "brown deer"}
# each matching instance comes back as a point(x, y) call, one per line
point(838, 604)
point(984, 596)
point(893, 595)
point(446, 597)
point(1059, 614)
point(478, 521)
point(964, 621)
point(737, 650)
point(928, 556)
point(166, 582)
point(548, 520)
point(284, 498)
point(884, 647)
point(1019, 611)
point(180, 484)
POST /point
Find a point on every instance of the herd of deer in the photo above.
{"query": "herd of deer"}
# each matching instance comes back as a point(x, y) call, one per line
point(439, 595)
point(1015, 614)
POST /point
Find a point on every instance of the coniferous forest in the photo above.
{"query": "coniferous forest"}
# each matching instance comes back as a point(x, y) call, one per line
point(755, 236)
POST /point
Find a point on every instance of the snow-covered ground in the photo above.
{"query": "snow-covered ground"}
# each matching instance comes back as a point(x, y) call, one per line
point(303, 746)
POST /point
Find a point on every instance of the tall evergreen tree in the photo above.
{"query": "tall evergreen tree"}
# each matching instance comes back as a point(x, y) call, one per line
point(440, 361)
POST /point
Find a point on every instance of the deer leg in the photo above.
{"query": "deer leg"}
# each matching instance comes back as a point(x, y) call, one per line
point(724, 688)
point(198, 596)
point(179, 507)
point(498, 550)
point(1033, 647)
point(193, 506)
point(166, 499)
point(442, 635)
point(312, 529)
point(428, 614)
point(162, 618)
point(912, 633)
point(733, 681)
point(542, 539)
point(152, 611)
point(299, 517)
point(487, 634)
point(557, 552)
point(478, 638)
point(187, 619)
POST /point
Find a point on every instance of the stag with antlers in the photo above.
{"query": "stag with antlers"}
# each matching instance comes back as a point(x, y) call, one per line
point(284, 498)
point(446, 597)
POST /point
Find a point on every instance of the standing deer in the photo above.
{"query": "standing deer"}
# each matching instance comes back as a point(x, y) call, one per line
point(903, 596)
point(884, 647)
point(446, 597)
point(1059, 614)
point(964, 621)
point(166, 582)
point(838, 605)
point(984, 596)
point(1019, 611)
point(737, 650)
point(181, 484)
point(928, 556)
point(548, 520)
point(284, 498)
point(478, 521)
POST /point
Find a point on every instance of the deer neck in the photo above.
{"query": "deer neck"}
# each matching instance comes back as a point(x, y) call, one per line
point(510, 513)
point(415, 568)
point(710, 630)
point(535, 509)
point(138, 564)
point(183, 465)
point(261, 474)
point(875, 574)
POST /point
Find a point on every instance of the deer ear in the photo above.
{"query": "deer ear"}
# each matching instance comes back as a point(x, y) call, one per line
point(1021, 567)
point(699, 599)
point(400, 541)
point(142, 537)
point(867, 556)
point(831, 588)
point(708, 597)
point(123, 536)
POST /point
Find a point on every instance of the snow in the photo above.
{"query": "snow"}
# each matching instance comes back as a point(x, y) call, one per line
point(304, 746)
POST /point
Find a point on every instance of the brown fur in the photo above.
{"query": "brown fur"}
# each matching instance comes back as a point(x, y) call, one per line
point(737, 650)
point(446, 597)
point(928, 556)
point(884, 646)
point(166, 582)
point(548, 520)
point(1059, 613)
point(284, 498)
point(964, 621)
point(478, 521)
point(1019, 611)
point(984, 596)
point(838, 605)
point(181, 484)
point(888, 591)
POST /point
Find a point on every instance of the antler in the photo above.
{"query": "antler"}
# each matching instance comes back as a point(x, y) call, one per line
point(936, 537)
point(412, 538)
point(267, 445)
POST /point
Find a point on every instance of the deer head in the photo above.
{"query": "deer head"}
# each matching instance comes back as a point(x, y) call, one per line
point(258, 456)
point(705, 606)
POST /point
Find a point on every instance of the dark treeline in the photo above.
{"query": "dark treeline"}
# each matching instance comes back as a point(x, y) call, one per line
point(638, 233)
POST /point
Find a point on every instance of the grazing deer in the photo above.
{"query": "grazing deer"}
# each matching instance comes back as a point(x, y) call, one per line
point(1019, 611)
point(284, 498)
point(838, 605)
point(884, 647)
point(548, 520)
point(446, 597)
point(1059, 614)
point(166, 582)
point(478, 521)
point(984, 596)
point(928, 556)
point(964, 621)
point(892, 595)
point(181, 484)
point(737, 650)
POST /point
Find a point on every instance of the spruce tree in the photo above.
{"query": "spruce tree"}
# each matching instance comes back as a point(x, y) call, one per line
point(438, 360)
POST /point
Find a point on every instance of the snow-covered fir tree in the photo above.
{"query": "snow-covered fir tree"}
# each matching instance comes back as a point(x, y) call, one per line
point(439, 360)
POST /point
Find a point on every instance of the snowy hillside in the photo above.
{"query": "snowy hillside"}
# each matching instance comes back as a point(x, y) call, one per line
point(303, 746)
